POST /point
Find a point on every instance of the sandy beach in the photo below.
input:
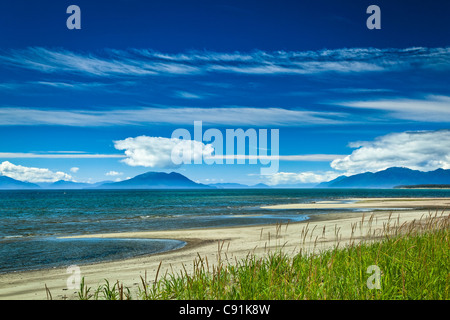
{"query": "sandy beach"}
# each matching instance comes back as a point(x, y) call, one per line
point(320, 232)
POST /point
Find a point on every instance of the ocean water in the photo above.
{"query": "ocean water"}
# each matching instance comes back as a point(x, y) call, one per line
point(31, 221)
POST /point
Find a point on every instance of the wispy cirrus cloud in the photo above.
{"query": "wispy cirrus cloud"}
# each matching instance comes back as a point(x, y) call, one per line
point(73, 85)
point(188, 95)
point(357, 90)
point(236, 116)
point(70, 85)
point(300, 157)
point(144, 62)
point(57, 155)
point(430, 108)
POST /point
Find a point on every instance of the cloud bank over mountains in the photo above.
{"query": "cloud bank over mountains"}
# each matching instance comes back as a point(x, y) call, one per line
point(160, 152)
point(31, 174)
point(417, 150)
point(406, 98)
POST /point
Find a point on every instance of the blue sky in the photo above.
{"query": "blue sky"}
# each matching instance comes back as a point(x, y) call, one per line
point(344, 98)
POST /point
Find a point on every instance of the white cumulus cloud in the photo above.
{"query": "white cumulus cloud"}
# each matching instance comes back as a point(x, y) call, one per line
point(113, 173)
point(417, 150)
point(74, 169)
point(31, 174)
point(162, 152)
point(301, 177)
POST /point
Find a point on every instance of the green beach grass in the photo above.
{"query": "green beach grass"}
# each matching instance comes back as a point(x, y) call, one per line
point(410, 261)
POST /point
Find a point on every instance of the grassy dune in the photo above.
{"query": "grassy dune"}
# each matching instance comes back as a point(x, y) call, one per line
point(412, 261)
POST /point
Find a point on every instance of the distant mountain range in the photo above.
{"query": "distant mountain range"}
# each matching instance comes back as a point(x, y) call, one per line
point(148, 180)
point(156, 180)
point(389, 178)
point(10, 183)
point(61, 184)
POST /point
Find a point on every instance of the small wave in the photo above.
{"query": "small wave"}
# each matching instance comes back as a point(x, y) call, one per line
point(12, 237)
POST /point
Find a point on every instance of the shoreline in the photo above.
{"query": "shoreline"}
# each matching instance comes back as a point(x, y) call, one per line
point(369, 203)
point(225, 243)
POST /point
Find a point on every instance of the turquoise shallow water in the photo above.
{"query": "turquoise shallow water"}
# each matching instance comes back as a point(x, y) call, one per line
point(31, 221)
